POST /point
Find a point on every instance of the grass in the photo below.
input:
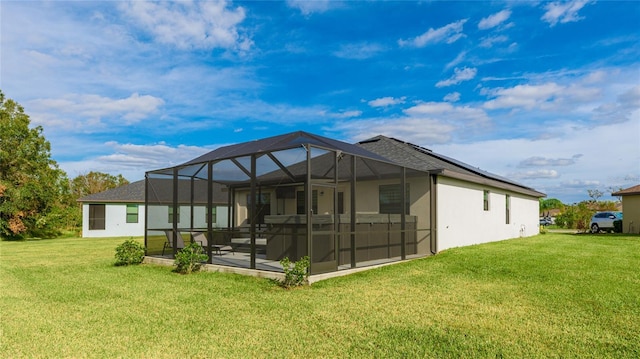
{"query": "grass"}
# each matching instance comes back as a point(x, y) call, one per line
point(554, 295)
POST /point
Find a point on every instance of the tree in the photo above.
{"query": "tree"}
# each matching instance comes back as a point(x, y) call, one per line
point(34, 192)
point(615, 189)
point(95, 182)
point(550, 203)
point(595, 194)
point(90, 183)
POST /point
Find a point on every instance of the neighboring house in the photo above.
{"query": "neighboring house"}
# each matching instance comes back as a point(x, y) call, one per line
point(630, 209)
point(116, 212)
point(120, 211)
point(344, 205)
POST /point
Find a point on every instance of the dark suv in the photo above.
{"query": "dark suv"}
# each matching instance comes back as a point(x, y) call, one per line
point(603, 221)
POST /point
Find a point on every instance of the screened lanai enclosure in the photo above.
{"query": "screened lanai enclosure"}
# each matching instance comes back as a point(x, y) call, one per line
point(252, 204)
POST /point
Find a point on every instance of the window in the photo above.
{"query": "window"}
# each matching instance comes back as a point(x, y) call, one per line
point(171, 214)
point(486, 200)
point(507, 204)
point(300, 202)
point(132, 213)
point(96, 216)
point(340, 202)
point(390, 197)
point(214, 218)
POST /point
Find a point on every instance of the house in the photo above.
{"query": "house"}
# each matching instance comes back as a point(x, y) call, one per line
point(343, 205)
point(120, 211)
point(630, 209)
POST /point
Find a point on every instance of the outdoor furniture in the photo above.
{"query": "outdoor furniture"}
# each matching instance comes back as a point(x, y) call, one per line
point(245, 243)
point(201, 238)
point(169, 243)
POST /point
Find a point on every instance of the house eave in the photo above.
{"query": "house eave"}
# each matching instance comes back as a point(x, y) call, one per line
point(491, 182)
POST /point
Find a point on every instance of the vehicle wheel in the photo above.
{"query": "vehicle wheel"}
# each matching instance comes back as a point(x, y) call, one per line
point(595, 228)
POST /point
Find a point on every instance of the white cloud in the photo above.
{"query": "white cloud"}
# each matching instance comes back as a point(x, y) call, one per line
point(88, 111)
point(536, 174)
point(460, 75)
point(345, 114)
point(538, 161)
point(456, 61)
point(449, 33)
point(546, 96)
point(308, 7)
point(187, 25)
point(425, 123)
point(452, 97)
point(358, 51)
point(488, 42)
point(132, 160)
point(412, 129)
point(563, 12)
point(581, 183)
point(626, 106)
point(494, 20)
point(621, 167)
point(386, 101)
point(445, 111)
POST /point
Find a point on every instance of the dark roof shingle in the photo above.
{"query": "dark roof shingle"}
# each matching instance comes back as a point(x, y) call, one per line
point(422, 159)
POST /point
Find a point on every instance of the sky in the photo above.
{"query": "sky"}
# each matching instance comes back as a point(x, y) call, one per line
point(544, 93)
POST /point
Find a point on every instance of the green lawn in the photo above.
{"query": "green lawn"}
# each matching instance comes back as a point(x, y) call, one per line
point(554, 295)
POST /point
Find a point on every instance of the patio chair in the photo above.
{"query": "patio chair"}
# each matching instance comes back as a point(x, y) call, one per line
point(216, 248)
point(169, 243)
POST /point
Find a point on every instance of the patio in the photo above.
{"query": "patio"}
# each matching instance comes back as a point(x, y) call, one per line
point(291, 196)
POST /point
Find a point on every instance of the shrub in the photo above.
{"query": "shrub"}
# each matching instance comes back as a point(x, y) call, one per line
point(190, 258)
point(296, 273)
point(129, 252)
point(575, 216)
point(543, 229)
point(617, 226)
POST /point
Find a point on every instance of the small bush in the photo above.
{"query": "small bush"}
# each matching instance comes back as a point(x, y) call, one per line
point(617, 226)
point(543, 229)
point(128, 253)
point(296, 273)
point(190, 258)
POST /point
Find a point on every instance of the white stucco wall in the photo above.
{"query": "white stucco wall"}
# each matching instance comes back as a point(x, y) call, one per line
point(462, 220)
point(115, 222)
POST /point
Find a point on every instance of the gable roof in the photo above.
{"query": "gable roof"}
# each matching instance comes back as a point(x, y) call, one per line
point(423, 159)
point(160, 191)
point(129, 193)
point(627, 191)
point(282, 142)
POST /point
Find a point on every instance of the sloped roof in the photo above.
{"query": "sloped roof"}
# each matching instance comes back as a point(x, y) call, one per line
point(282, 142)
point(129, 193)
point(422, 159)
point(160, 191)
point(628, 191)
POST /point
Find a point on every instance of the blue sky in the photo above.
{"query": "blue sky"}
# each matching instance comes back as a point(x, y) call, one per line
point(546, 93)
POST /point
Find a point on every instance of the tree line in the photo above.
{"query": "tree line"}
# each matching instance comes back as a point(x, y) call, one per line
point(37, 199)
